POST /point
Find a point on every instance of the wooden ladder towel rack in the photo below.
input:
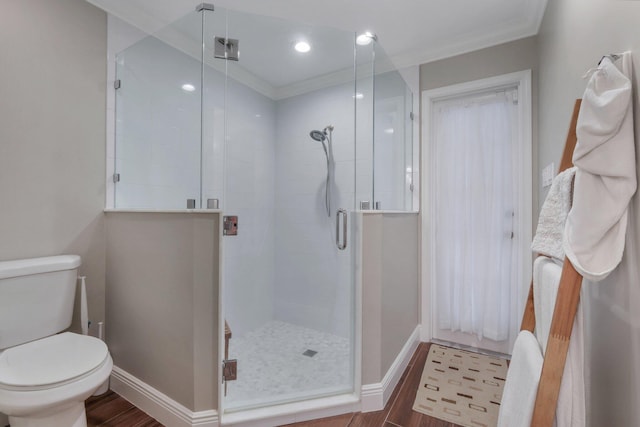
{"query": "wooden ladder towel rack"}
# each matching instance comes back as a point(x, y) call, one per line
point(564, 314)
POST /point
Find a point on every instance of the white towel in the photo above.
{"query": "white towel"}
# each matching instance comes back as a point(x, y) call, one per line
point(606, 175)
point(521, 386)
point(571, 410)
point(546, 278)
point(553, 215)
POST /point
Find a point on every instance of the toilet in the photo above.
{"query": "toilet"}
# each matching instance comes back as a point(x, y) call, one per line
point(45, 374)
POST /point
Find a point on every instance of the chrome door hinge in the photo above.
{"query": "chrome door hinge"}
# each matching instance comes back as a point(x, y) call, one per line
point(229, 370)
point(116, 177)
point(411, 116)
point(117, 83)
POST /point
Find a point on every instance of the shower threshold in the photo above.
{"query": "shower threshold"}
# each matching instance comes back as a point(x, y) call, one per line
point(288, 413)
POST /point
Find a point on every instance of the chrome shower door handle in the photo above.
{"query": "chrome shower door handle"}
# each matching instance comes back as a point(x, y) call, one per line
point(341, 213)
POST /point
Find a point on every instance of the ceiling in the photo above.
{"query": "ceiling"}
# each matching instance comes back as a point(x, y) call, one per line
point(411, 32)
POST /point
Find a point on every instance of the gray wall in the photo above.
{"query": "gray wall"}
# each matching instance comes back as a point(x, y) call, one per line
point(52, 135)
point(162, 309)
point(573, 37)
point(493, 61)
point(389, 289)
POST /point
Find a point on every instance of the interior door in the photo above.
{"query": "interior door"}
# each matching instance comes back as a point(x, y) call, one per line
point(474, 209)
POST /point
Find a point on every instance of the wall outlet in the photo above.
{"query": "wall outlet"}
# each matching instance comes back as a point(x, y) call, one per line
point(548, 173)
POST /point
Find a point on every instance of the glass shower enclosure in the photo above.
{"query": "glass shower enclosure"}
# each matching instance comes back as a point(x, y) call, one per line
point(229, 111)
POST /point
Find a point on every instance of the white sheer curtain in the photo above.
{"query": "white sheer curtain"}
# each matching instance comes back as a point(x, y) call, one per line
point(474, 212)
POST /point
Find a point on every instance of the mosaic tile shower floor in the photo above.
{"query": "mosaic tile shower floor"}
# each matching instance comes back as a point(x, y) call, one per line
point(272, 365)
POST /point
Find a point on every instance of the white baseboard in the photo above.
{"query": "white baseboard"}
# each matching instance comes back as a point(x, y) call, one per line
point(157, 404)
point(374, 397)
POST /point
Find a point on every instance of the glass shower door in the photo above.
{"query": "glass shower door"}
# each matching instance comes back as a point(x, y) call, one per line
point(288, 294)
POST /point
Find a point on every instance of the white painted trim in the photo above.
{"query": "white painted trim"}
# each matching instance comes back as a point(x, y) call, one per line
point(374, 397)
point(523, 81)
point(371, 397)
point(157, 404)
point(293, 412)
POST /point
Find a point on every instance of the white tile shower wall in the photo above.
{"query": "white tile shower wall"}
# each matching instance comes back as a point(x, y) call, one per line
point(312, 276)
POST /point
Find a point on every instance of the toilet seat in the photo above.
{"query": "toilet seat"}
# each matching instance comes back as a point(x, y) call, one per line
point(51, 362)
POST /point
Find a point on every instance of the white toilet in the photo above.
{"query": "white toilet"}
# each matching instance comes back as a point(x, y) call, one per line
point(45, 376)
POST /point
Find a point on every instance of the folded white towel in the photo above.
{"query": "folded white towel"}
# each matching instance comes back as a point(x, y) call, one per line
point(571, 410)
point(606, 176)
point(553, 215)
point(521, 386)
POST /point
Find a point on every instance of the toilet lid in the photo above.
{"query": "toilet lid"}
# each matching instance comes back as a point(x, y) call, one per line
point(51, 360)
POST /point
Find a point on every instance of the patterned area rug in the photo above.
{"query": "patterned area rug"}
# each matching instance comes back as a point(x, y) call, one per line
point(461, 387)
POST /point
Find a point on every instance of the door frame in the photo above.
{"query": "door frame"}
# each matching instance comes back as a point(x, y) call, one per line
point(524, 159)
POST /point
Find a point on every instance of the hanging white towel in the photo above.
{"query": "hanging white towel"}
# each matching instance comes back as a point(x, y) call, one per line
point(606, 177)
point(553, 215)
point(521, 386)
point(571, 410)
point(546, 278)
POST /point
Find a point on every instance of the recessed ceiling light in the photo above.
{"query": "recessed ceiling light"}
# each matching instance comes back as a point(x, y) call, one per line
point(365, 38)
point(302, 47)
point(187, 87)
point(358, 95)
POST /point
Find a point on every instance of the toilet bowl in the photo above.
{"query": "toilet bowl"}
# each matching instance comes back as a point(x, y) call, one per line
point(45, 374)
point(44, 383)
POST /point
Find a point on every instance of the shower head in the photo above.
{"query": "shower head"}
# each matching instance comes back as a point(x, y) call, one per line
point(321, 137)
point(317, 135)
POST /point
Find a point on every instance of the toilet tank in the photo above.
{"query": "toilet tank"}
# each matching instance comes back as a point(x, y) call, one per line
point(36, 297)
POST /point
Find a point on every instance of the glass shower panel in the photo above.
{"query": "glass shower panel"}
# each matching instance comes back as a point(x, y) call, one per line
point(411, 190)
point(364, 99)
point(384, 134)
point(157, 149)
point(288, 289)
point(393, 137)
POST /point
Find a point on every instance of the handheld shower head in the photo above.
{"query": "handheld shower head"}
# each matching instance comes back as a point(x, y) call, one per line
point(321, 137)
point(317, 135)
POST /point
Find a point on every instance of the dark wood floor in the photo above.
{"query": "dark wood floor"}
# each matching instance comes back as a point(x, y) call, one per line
point(111, 410)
